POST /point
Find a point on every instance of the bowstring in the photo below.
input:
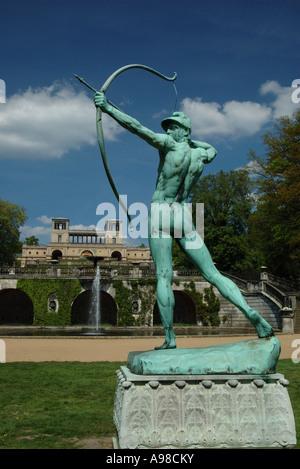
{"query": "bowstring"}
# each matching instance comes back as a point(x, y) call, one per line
point(176, 95)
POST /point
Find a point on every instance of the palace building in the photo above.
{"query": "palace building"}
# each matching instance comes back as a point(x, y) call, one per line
point(72, 244)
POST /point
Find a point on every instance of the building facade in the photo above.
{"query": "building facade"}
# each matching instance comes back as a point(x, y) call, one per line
point(74, 244)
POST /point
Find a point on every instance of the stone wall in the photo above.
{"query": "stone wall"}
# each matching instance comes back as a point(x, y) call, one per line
point(229, 315)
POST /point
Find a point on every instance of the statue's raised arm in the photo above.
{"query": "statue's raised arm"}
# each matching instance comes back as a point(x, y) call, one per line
point(131, 124)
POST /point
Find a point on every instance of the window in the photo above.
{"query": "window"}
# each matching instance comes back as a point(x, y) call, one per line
point(114, 226)
point(59, 226)
point(59, 238)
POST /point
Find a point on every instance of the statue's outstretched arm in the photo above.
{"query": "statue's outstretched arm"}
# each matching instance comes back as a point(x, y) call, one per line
point(129, 123)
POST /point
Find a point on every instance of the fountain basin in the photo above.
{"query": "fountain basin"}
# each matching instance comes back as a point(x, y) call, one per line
point(77, 331)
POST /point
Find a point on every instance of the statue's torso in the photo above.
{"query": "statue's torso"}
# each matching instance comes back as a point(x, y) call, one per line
point(178, 171)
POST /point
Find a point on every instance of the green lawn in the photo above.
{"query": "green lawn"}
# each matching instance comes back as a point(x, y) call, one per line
point(45, 405)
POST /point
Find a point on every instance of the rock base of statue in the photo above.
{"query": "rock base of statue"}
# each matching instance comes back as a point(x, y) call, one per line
point(215, 409)
point(258, 356)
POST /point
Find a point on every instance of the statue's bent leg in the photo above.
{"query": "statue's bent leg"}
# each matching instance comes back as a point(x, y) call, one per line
point(161, 250)
point(229, 290)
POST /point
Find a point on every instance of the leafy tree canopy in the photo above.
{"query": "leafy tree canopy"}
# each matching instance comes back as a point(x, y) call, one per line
point(12, 216)
point(32, 241)
point(228, 203)
point(275, 225)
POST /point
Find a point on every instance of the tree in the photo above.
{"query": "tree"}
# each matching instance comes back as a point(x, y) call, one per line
point(207, 304)
point(228, 203)
point(275, 225)
point(12, 216)
point(180, 259)
point(32, 241)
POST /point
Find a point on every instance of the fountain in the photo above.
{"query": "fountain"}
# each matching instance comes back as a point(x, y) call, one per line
point(95, 310)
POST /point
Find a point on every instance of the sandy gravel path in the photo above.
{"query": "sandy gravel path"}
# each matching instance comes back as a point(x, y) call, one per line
point(89, 349)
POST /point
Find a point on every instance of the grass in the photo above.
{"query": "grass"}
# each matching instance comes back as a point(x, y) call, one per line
point(47, 405)
point(291, 372)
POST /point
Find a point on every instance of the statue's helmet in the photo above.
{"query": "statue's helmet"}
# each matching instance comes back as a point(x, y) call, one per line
point(178, 118)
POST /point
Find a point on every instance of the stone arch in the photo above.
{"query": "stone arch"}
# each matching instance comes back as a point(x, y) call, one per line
point(109, 309)
point(86, 254)
point(15, 307)
point(116, 255)
point(82, 304)
point(56, 254)
point(184, 309)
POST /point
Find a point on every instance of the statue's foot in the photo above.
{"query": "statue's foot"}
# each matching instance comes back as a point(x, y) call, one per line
point(166, 345)
point(262, 327)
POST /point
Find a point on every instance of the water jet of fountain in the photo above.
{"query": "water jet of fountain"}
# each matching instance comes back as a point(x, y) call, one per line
point(95, 310)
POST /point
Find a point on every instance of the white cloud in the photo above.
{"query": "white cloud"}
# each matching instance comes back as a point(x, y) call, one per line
point(282, 104)
point(236, 119)
point(48, 122)
point(44, 219)
point(253, 169)
point(39, 231)
point(160, 114)
point(82, 227)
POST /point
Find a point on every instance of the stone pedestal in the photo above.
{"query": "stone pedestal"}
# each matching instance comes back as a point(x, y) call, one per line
point(203, 411)
point(287, 315)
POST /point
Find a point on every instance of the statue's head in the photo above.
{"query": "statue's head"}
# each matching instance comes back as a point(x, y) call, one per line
point(177, 118)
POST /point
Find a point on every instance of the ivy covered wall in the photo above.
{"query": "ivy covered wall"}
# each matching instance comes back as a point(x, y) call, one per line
point(207, 304)
point(40, 290)
point(127, 292)
point(53, 298)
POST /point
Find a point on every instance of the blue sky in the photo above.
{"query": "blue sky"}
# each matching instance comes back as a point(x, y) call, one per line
point(235, 60)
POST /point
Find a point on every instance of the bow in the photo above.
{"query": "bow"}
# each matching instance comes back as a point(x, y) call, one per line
point(100, 134)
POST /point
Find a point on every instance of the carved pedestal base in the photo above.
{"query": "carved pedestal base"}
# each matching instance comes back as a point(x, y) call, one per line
point(203, 411)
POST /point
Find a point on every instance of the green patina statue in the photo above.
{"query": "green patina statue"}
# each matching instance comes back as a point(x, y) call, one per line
point(181, 164)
